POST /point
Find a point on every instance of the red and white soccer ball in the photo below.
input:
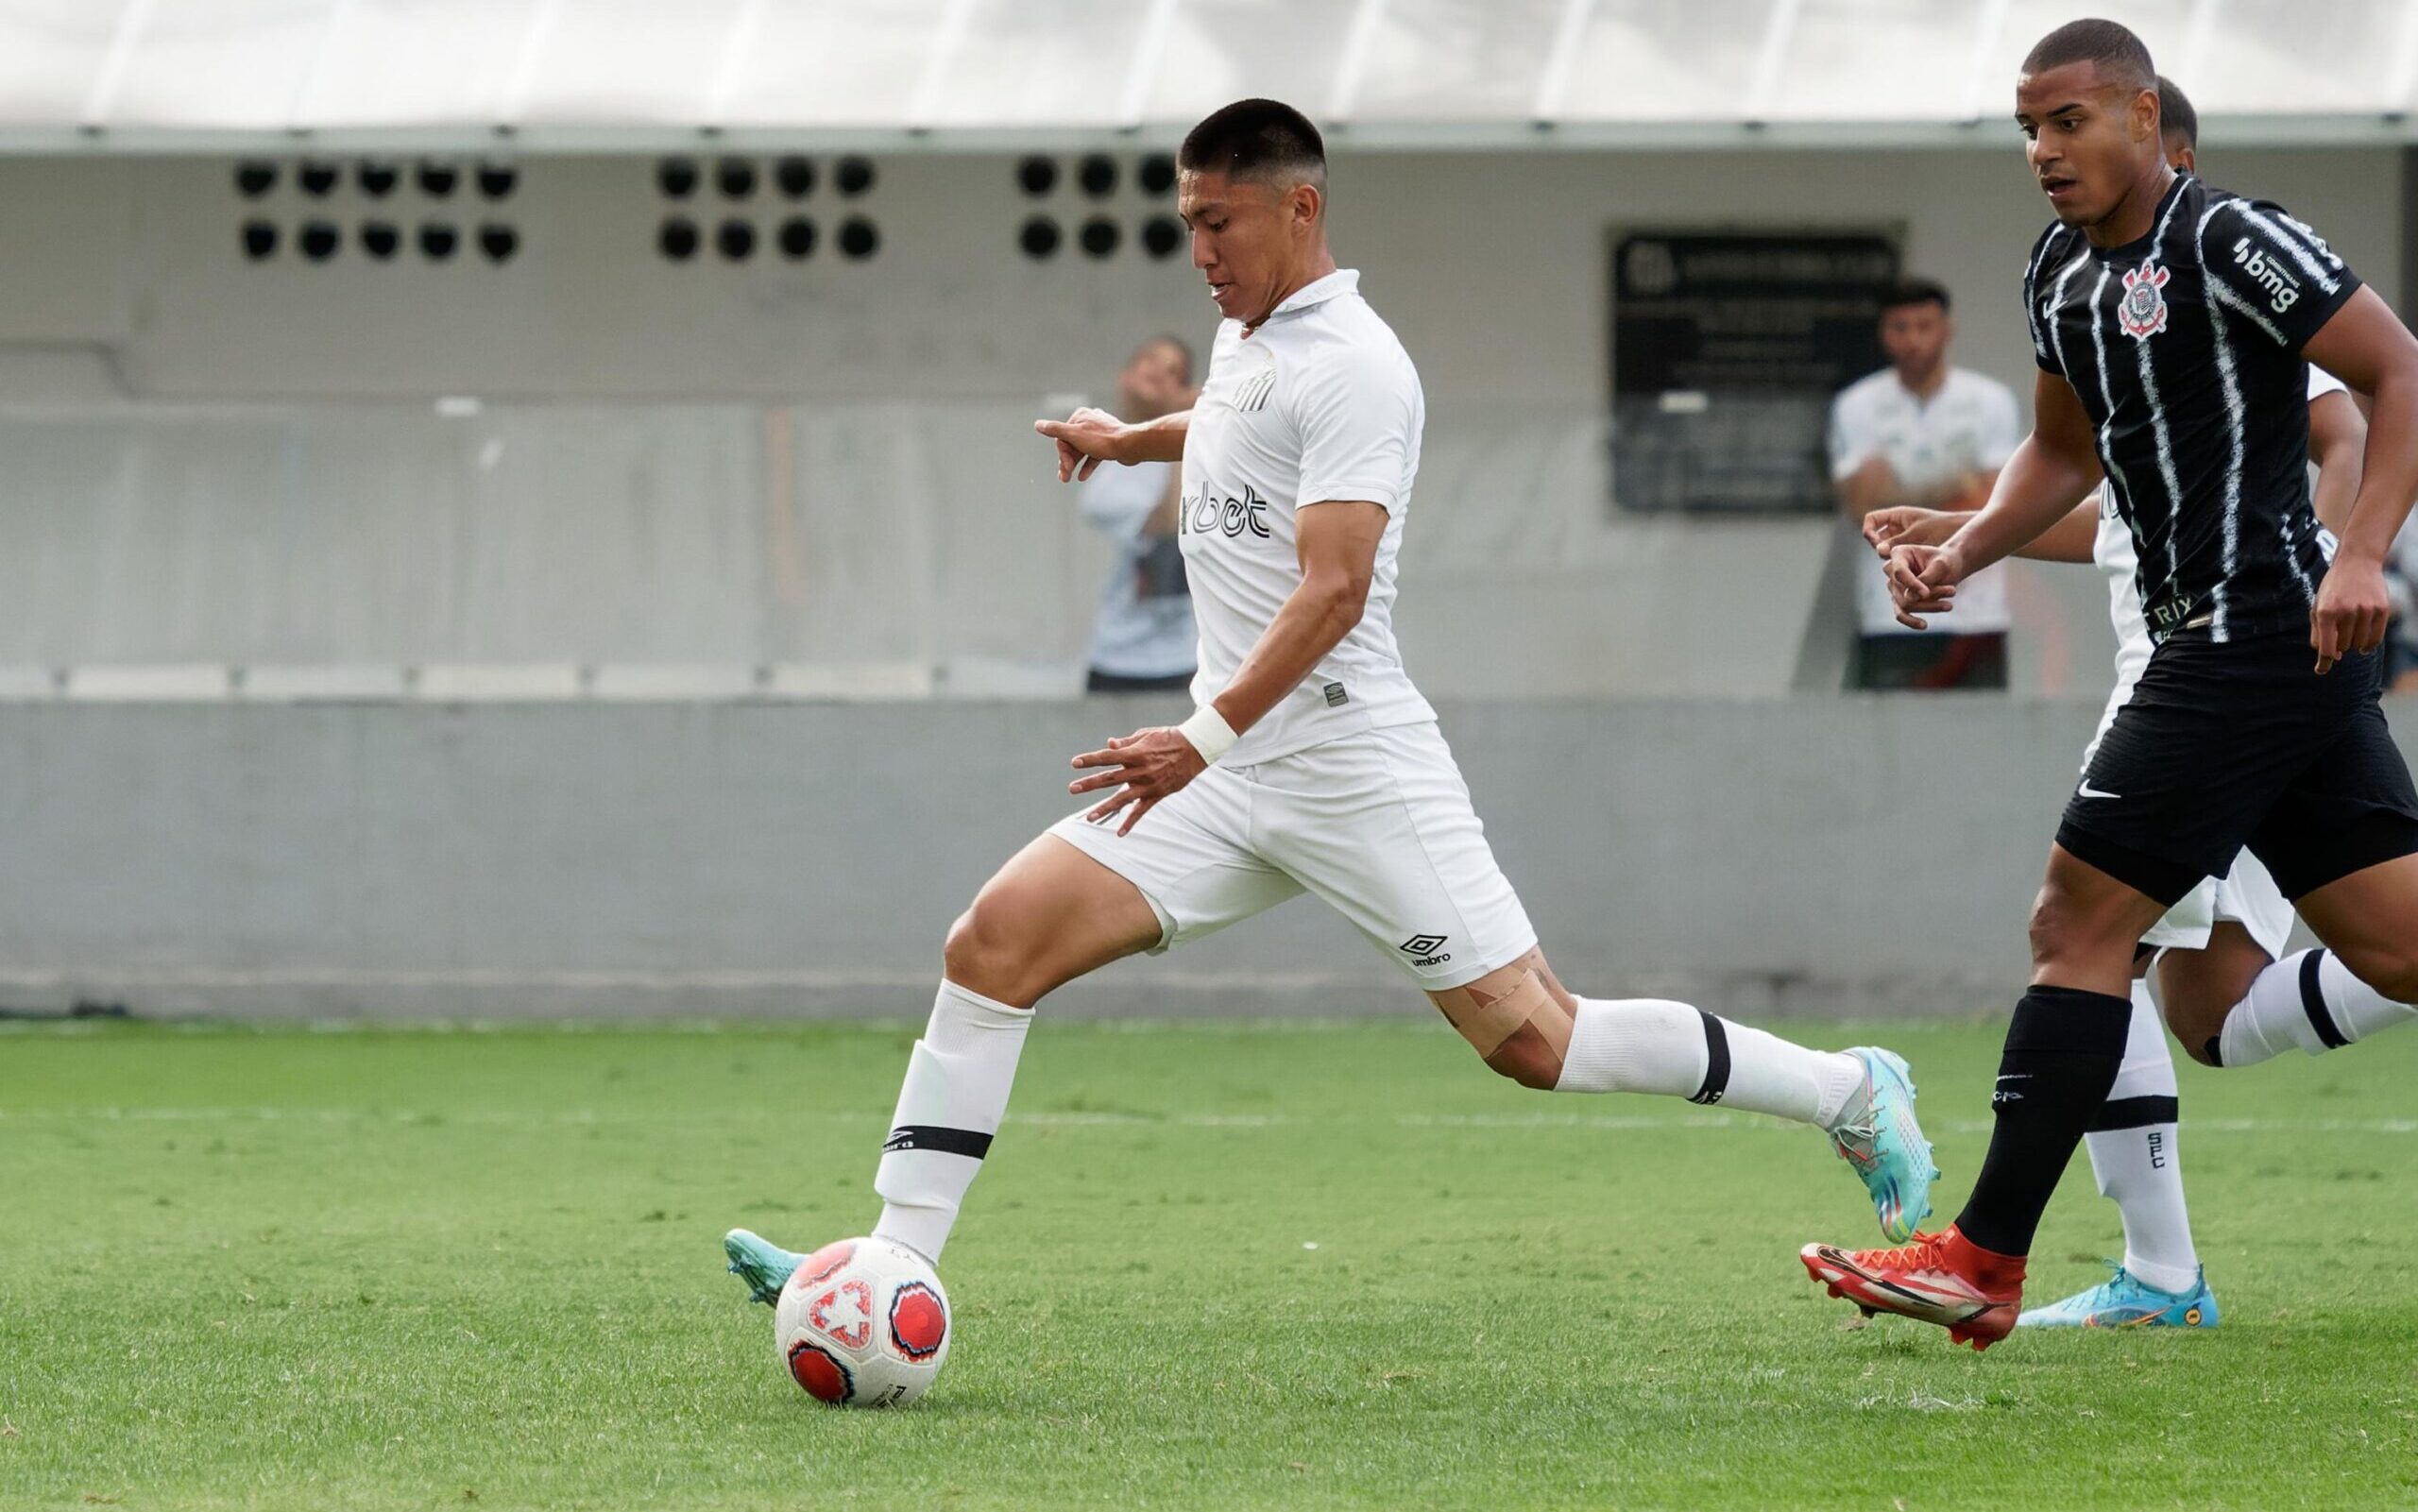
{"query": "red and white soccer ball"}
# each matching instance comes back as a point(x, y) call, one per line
point(863, 1323)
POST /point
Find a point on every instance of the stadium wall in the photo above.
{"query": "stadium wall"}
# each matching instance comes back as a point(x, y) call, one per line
point(1840, 855)
point(222, 462)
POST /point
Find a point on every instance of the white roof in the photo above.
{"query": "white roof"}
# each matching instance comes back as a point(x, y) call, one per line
point(205, 73)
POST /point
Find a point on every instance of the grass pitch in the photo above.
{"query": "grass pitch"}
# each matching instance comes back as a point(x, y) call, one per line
point(1209, 1266)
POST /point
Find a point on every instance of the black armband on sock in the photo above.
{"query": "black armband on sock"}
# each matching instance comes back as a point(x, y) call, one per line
point(1716, 1061)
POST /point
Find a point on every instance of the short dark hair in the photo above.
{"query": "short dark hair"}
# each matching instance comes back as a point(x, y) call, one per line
point(1182, 349)
point(1256, 139)
point(2175, 116)
point(1914, 291)
point(2119, 55)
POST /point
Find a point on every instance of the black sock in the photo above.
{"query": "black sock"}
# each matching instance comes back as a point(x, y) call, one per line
point(2063, 1049)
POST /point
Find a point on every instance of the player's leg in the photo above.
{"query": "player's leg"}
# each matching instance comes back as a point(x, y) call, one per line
point(2343, 844)
point(2064, 1047)
point(1524, 1024)
point(1049, 916)
point(1076, 898)
point(2183, 775)
point(2198, 989)
point(1381, 827)
point(2362, 981)
point(2133, 1156)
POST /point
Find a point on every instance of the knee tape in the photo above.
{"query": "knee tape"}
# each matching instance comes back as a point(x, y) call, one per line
point(1487, 1020)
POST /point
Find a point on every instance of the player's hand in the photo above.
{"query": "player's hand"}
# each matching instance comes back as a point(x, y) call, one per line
point(1922, 580)
point(1086, 439)
point(1908, 525)
point(2353, 608)
point(1144, 767)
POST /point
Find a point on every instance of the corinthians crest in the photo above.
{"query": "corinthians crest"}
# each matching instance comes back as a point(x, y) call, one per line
point(2142, 310)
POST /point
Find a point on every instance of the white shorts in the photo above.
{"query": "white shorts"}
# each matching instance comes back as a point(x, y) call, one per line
point(1377, 823)
point(2246, 895)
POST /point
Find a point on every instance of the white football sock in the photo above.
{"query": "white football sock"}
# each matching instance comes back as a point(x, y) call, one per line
point(1653, 1044)
point(2133, 1153)
point(2311, 1000)
point(954, 1096)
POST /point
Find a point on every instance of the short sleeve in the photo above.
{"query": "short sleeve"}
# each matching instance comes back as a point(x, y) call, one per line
point(1357, 411)
point(2274, 273)
point(2034, 320)
point(1850, 437)
point(2001, 427)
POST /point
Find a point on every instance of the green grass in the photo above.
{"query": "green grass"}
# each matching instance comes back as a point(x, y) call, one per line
point(1210, 1266)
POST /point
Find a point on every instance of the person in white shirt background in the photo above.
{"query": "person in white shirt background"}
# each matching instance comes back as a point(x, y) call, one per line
point(2401, 647)
point(1143, 639)
point(1922, 433)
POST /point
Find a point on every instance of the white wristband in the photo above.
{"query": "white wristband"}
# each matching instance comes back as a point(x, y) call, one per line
point(1208, 732)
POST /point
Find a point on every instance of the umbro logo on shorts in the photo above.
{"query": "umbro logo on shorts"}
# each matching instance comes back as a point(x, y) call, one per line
point(1429, 949)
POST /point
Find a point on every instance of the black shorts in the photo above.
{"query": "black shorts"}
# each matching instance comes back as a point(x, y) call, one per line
point(2223, 746)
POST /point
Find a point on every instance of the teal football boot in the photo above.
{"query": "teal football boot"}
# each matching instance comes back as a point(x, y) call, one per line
point(764, 1265)
point(1877, 1135)
point(2125, 1300)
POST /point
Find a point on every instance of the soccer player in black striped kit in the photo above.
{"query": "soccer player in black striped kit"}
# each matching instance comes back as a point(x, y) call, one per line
point(2171, 320)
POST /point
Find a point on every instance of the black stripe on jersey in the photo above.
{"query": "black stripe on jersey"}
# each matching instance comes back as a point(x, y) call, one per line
point(2184, 347)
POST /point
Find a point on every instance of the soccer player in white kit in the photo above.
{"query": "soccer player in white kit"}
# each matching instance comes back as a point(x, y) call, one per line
point(2218, 950)
point(1311, 764)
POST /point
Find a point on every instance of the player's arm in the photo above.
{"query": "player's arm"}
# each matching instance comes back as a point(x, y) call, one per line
point(2337, 441)
point(2051, 474)
point(1338, 544)
point(2069, 540)
point(1091, 437)
point(2365, 345)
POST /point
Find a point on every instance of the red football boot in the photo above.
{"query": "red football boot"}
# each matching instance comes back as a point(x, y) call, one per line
point(1940, 1278)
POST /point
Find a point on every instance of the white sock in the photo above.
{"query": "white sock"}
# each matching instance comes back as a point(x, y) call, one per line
point(2133, 1153)
point(2311, 1000)
point(954, 1096)
point(1653, 1044)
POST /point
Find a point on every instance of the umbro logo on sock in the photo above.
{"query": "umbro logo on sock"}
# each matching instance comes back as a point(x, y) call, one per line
point(2004, 1093)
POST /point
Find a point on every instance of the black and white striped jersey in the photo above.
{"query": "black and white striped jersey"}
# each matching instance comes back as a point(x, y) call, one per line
point(2184, 349)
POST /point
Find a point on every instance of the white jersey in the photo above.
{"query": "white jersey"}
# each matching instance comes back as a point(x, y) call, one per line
point(1319, 403)
point(1970, 425)
point(2114, 554)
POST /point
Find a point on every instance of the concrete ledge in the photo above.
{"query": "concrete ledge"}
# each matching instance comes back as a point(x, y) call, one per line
point(1856, 856)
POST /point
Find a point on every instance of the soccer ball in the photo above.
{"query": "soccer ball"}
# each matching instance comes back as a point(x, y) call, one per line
point(862, 1323)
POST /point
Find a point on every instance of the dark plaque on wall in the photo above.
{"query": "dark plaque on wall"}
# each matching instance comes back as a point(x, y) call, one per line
point(1726, 347)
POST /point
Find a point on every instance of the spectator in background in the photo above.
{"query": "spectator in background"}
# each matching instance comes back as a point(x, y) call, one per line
point(1142, 634)
point(1922, 433)
point(2401, 643)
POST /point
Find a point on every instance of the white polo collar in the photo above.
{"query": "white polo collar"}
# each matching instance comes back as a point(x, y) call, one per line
point(1317, 292)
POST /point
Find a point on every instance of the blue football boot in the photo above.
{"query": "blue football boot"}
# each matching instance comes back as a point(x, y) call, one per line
point(2125, 1301)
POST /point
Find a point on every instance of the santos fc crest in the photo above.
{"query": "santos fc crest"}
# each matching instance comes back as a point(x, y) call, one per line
point(2142, 310)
